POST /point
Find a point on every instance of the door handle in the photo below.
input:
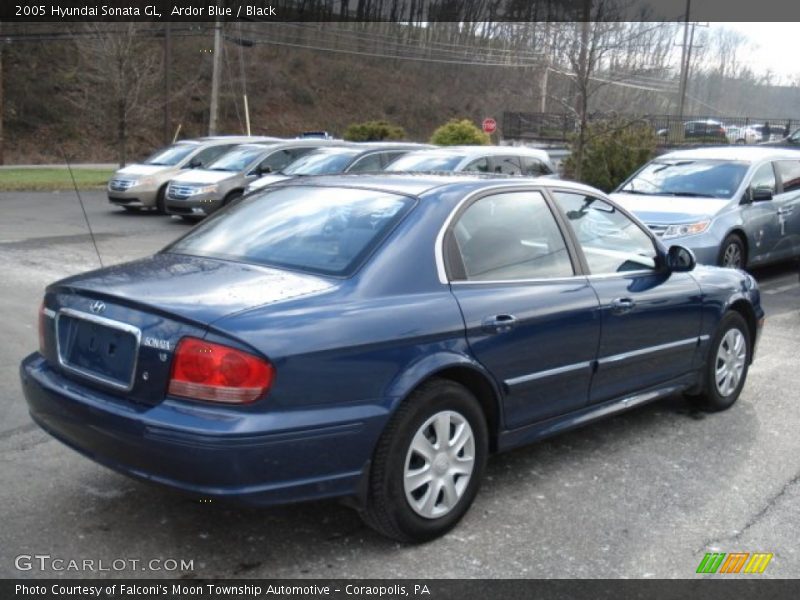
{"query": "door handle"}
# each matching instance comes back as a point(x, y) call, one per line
point(499, 323)
point(620, 306)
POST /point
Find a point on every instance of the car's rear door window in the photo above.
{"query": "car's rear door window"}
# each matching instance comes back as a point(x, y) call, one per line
point(511, 237)
point(322, 230)
point(506, 165)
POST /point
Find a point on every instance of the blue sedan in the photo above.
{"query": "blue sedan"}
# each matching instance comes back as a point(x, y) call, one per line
point(375, 338)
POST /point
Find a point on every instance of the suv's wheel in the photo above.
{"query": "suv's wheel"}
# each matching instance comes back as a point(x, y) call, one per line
point(727, 365)
point(428, 463)
point(160, 202)
point(732, 253)
point(232, 197)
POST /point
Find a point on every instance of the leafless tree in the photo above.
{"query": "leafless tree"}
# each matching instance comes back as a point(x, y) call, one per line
point(118, 78)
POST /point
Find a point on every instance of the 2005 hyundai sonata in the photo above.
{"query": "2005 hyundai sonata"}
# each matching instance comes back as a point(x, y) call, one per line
point(376, 337)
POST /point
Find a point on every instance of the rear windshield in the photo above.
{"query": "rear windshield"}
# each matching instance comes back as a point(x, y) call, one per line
point(236, 160)
point(321, 163)
point(425, 162)
point(171, 155)
point(692, 178)
point(329, 231)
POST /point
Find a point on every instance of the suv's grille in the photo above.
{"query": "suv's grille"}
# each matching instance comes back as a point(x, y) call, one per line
point(180, 192)
point(121, 185)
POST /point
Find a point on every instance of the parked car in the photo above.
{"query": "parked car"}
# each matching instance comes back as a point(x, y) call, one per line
point(742, 134)
point(703, 129)
point(376, 337)
point(734, 207)
point(706, 129)
point(791, 141)
point(200, 192)
point(364, 157)
point(144, 185)
point(508, 160)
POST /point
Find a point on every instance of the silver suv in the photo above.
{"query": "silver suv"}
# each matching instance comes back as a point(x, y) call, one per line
point(143, 185)
point(200, 192)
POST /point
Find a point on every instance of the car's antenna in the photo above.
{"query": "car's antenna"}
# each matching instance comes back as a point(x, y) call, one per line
point(83, 208)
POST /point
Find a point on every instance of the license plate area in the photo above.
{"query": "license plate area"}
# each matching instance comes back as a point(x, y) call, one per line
point(99, 349)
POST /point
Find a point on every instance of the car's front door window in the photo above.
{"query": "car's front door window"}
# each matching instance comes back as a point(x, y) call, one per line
point(764, 179)
point(610, 240)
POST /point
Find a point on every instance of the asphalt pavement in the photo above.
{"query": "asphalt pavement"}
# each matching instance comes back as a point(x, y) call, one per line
point(643, 494)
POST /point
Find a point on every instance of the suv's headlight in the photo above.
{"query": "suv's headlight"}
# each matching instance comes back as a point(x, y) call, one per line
point(206, 189)
point(674, 231)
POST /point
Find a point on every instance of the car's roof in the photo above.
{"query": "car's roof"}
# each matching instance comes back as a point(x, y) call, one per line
point(236, 139)
point(737, 153)
point(415, 184)
point(470, 151)
point(394, 145)
point(310, 142)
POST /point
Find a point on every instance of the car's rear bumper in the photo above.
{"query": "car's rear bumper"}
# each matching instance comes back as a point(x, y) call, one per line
point(204, 451)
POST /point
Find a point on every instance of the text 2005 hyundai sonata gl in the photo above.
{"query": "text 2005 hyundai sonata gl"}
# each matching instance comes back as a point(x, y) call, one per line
point(376, 337)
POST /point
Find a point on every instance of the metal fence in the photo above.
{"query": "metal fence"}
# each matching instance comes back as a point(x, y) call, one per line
point(670, 129)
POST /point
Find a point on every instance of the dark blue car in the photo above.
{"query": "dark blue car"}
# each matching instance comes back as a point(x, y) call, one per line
point(376, 337)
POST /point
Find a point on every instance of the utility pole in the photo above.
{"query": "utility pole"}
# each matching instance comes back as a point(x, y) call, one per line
point(167, 82)
point(212, 121)
point(685, 57)
point(2, 145)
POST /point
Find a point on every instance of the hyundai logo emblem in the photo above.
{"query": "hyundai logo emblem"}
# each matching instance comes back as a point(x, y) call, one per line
point(97, 306)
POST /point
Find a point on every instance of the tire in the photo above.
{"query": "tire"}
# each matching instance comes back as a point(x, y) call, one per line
point(407, 510)
point(160, 202)
point(232, 197)
point(732, 253)
point(726, 367)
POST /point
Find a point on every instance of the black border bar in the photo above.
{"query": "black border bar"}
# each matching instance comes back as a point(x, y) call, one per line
point(415, 11)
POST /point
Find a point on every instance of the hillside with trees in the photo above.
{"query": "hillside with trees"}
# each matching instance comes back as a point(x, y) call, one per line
point(99, 91)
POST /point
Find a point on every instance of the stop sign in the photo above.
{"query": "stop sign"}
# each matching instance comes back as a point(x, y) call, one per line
point(489, 125)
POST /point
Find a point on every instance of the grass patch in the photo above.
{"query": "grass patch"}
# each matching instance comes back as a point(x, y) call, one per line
point(48, 179)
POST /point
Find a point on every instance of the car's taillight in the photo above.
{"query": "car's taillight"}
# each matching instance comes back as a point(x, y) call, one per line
point(205, 371)
point(42, 325)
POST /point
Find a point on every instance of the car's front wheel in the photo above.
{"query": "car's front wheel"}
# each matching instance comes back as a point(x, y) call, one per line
point(727, 364)
point(732, 253)
point(428, 464)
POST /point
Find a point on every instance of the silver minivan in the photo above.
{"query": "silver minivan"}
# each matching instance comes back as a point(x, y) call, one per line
point(732, 206)
point(144, 185)
point(200, 192)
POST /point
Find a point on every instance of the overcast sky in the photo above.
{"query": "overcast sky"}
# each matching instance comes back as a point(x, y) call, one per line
point(774, 45)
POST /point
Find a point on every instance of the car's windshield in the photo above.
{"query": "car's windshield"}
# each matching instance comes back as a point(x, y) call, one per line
point(320, 230)
point(171, 155)
point(236, 160)
point(321, 162)
point(426, 162)
point(688, 177)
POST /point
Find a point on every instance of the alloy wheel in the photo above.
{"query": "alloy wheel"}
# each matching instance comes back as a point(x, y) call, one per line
point(730, 362)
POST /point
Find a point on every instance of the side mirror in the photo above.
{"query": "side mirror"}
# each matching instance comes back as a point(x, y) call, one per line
point(193, 164)
point(680, 259)
point(760, 194)
point(263, 170)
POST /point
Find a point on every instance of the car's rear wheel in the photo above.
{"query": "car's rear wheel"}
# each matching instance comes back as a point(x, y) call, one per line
point(428, 464)
point(732, 253)
point(727, 365)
